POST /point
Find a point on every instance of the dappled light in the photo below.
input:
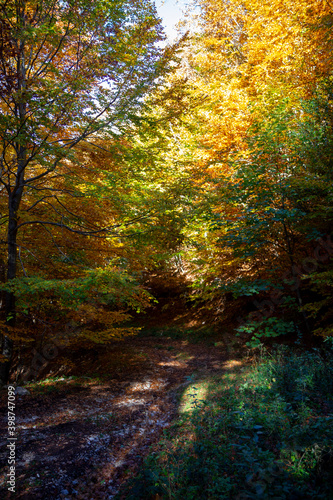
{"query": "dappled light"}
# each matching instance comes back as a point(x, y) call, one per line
point(251, 434)
point(148, 385)
point(173, 363)
point(232, 364)
point(193, 397)
point(166, 257)
point(91, 420)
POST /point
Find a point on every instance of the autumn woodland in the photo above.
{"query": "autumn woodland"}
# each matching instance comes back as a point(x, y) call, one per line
point(173, 199)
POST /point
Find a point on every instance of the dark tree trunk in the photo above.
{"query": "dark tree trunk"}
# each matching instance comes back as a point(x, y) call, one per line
point(7, 352)
point(7, 343)
point(14, 200)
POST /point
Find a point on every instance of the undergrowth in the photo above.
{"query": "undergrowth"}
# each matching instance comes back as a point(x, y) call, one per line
point(263, 431)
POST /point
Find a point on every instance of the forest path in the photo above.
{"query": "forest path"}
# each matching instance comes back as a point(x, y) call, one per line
point(88, 435)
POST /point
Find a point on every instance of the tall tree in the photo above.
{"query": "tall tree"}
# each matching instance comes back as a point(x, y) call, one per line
point(69, 70)
point(262, 150)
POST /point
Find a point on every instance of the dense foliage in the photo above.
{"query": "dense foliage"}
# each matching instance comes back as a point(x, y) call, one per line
point(263, 144)
point(75, 82)
point(121, 159)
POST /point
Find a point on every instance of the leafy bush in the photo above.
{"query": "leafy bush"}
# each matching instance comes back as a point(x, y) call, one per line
point(268, 327)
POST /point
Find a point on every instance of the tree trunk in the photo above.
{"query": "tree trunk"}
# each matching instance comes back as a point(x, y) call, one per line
point(7, 352)
point(14, 200)
point(7, 343)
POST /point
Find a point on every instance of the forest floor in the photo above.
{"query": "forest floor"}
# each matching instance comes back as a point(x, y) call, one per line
point(82, 436)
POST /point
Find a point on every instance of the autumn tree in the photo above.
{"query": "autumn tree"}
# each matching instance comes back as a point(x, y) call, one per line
point(69, 70)
point(263, 149)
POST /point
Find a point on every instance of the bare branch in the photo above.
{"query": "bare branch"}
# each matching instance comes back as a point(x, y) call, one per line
point(38, 201)
point(106, 230)
point(19, 256)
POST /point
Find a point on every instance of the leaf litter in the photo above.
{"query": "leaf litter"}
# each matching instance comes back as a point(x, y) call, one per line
point(86, 439)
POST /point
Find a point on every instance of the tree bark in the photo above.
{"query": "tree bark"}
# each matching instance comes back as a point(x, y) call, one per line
point(7, 342)
point(14, 200)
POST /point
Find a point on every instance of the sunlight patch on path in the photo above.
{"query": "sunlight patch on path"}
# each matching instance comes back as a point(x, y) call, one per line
point(193, 397)
point(131, 402)
point(232, 363)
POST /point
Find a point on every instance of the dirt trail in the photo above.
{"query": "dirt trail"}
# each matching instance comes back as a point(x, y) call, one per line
point(84, 440)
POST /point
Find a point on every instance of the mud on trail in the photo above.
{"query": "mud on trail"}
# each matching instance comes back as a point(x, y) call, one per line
point(89, 435)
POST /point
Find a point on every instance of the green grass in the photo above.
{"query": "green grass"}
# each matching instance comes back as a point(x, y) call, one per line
point(258, 432)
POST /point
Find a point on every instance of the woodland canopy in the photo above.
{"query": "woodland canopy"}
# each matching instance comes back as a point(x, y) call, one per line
point(209, 160)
